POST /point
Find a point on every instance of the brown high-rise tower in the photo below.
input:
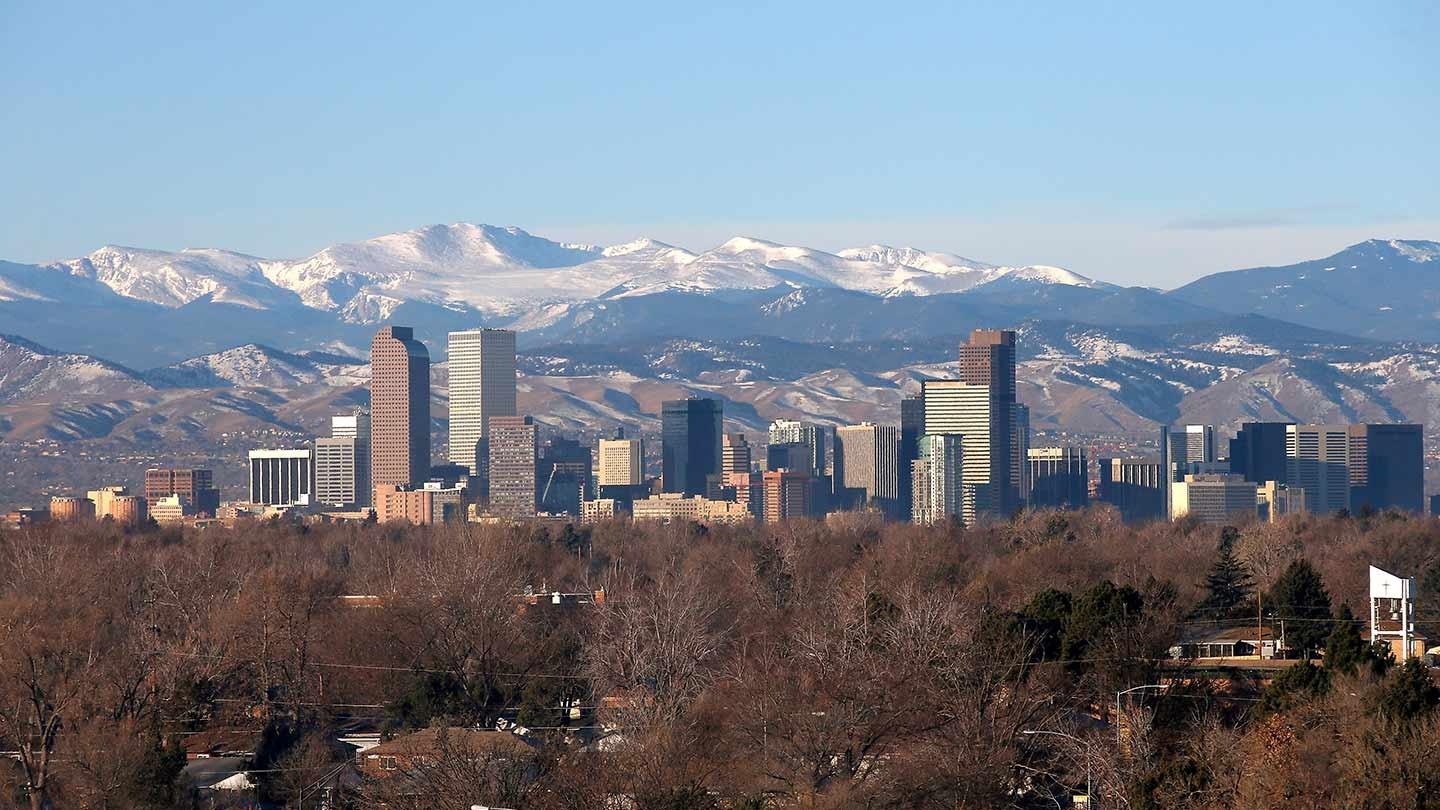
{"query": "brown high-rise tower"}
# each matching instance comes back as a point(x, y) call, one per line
point(399, 408)
point(989, 359)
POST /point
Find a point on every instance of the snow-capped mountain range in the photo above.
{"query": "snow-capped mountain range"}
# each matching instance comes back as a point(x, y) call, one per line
point(509, 272)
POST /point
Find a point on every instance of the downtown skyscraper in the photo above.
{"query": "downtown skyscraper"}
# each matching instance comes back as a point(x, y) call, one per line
point(988, 359)
point(690, 443)
point(399, 408)
point(482, 386)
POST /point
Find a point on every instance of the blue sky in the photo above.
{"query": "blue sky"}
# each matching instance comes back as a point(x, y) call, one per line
point(1143, 144)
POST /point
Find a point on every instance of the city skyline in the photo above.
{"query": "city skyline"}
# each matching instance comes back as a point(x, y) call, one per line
point(985, 468)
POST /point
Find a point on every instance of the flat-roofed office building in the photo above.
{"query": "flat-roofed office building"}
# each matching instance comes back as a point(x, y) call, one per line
point(1387, 467)
point(1318, 461)
point(482, 386)
point(1215, 499)
point(342, 473)
point(1134, 486)
point(1059, 477)
point(281, 477)
point(867, 466)
point(514, 455)
point(195, 486)
point(690, 443)
point(959, 408)
point(621, 463)
point(938, 479)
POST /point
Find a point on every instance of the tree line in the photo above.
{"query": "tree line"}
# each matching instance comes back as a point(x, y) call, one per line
point(797, 665)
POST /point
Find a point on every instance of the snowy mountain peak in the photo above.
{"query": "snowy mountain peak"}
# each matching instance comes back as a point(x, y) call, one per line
point(1048, 274)
point(638, 246)
point(744, 244)
point(178, 278)
point(912, 257)
point(511, 275)
point(1416, 250)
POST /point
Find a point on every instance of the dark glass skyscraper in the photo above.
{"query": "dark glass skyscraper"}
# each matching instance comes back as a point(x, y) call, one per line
point(1258, 452)
point(1387, 467)
point(912, 427)
point(690, 435)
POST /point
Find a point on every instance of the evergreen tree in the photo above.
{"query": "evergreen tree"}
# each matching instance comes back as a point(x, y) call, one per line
point(1299, 603)
point(1294, 685)
point(1096, 613)
point(1228, 584)
point(1345, 651)
point(1411, 694)
point(1043, 621)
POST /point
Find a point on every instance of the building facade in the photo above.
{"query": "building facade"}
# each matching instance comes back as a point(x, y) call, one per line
point(70, 508)
point(342, 472)
point(734, 454)
point(938, 479)
point(967, 410)
point(690, 451)
point(280, 477)
point(1215, 499)
point(482, 385)
point(787, 495)
point(912, 427)
point(792, 432)
point(1387, 467)
point(104, 497)
point(621, 463)
point(196, 488)
point(563, 476)
point(988, 360)
point(1318, 461)
point(1275, 500)
point(513, 443)
point(1258, 451)
point(399, 408)
point(1059, 477)
point(1134, 486)
point(867, 466)
point(422, 506)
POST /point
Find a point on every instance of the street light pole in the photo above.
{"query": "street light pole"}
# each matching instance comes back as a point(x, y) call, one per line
point(1089, 783)
point(1117, 706)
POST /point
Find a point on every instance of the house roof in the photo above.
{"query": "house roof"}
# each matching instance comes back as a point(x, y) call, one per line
point(1230, 635)
point(221, 741)
point(431, 741)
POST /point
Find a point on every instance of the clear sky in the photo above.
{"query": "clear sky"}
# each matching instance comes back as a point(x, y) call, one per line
point(1143, 144)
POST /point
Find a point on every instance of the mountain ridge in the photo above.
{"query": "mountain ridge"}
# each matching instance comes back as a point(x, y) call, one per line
point(500, 270)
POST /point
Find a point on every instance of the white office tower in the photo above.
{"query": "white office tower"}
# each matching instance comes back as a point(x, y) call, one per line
point(482, 385)
point(342, 462)
point(963, 409)
point(1318, 461)
point(939, 479)
point(353, 425)
point(282, 477)
point(621, 463)
point(342, 472)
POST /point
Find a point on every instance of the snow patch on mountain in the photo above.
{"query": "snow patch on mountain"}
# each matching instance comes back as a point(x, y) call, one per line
point(29, 371)
point(257, 366)
point(175, 279)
